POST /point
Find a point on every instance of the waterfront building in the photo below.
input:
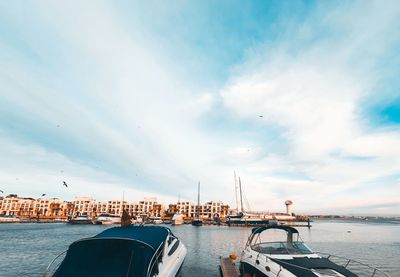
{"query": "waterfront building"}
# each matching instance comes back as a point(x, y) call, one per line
point(150, 207)
point(89, 206)
point(186, 208)
point(209, 210)
point(29, 207)
point(172, 209)
point(85, 206)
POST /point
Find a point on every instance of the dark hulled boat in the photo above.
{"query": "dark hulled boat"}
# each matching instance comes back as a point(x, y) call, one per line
point(197, 221)
point(130, 251)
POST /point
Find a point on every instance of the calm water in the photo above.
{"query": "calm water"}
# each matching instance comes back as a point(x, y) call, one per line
point(26, 249)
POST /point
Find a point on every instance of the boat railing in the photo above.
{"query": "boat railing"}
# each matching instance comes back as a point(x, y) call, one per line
point(362, 269)
point(54, 264)
point(155, 259)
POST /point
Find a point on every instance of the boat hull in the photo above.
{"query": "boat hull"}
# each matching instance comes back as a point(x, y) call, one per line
point(74, 221)
point(197, 223)
point(248, 222)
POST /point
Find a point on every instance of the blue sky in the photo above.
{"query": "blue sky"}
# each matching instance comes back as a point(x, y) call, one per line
point(300, 98)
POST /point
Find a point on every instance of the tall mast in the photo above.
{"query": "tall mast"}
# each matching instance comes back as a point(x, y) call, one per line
point(236, 196)
point(198, 200)
point(241, 198)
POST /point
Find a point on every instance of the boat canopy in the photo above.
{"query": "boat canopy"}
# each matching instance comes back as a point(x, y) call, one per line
point(288, 229)
point(154, 236)
point(120, 251)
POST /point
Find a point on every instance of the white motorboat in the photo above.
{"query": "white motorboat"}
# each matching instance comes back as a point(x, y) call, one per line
point(9, 219)
point(130, 251)
point(177, 219)
point(108, 219)
point(81, 219)
point(156, 220)
point(283, 253)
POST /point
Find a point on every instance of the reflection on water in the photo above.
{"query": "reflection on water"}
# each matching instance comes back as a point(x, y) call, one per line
point(28, 248)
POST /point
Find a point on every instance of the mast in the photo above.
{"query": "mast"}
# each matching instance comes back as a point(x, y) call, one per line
point(198, 201)
point(236, 196)
point(241, 198)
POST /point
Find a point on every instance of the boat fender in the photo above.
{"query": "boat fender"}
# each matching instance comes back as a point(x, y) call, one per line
point(257, 262)
point(267, 268)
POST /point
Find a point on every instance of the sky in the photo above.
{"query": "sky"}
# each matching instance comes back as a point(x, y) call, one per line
point(147, 98)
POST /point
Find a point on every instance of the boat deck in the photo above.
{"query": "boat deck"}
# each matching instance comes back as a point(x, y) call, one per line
point(227, 268)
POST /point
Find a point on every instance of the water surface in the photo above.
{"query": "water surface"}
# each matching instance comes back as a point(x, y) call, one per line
point(26, 249)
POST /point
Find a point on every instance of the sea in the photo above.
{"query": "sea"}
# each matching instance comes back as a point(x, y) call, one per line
point(27, 248)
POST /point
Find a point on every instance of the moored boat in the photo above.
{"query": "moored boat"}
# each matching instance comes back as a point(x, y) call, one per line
point(9, 219)
point(81, 219)
point(156, 220)
point(123, 251)
point(246, 218)
point(290, 257)
point(177, 219)
point(107, 219)
point(197, 220)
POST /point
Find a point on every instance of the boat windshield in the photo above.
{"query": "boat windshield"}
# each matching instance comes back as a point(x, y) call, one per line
point(282, 248)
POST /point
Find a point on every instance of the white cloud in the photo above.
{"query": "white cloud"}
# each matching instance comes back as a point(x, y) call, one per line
point(316, 97)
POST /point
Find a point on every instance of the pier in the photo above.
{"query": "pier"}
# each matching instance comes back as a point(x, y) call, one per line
point(228, 268)
point(285, 223)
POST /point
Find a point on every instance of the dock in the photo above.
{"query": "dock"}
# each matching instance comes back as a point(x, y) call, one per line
point(228, 268)
point(252, 224)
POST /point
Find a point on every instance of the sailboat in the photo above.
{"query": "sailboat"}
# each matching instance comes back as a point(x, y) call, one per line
point(245, 218)
point(197, 221)
point(239, 214)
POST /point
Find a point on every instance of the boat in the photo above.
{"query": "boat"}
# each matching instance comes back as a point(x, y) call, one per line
point(290, 257)
point(122, 251)
point(156, 220)
point(245, 218)
point(177, 219)
point(9, 219)
point(107, 219)
point(81, 219)
point(197, 220)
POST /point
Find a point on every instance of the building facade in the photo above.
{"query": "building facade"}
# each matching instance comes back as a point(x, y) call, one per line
point(53, 208)
point(29, 207)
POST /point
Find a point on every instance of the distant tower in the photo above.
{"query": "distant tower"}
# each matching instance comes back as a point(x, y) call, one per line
point(289, 204)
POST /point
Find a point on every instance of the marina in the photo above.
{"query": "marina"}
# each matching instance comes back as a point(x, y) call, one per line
point(200, 138)
point(27, 249)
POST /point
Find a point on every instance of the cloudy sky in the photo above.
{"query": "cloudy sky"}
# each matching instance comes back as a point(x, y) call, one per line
point(300, 98)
